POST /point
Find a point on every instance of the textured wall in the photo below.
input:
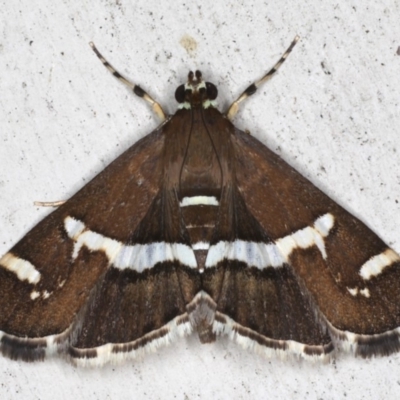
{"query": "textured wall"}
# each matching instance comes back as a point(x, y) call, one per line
point(332, 111)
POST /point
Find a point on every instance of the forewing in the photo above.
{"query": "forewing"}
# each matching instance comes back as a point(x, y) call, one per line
point(82, 262)
point(349, 276)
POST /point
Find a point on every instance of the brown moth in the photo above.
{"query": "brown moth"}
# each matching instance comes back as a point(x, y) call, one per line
point(198, 227)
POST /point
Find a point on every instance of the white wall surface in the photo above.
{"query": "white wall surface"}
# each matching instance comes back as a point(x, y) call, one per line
point(332, 112)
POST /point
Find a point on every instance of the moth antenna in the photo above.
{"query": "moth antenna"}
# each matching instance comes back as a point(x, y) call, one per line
point(233, 109)
point(135, 88)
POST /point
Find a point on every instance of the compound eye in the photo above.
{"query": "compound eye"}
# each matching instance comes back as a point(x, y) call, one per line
point(180, 94)
point(212, 91)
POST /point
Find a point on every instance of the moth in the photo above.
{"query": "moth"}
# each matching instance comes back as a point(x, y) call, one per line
point(198, 227)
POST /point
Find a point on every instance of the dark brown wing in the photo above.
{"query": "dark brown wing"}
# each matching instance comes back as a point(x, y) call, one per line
point(78, 278)
point(338, 272)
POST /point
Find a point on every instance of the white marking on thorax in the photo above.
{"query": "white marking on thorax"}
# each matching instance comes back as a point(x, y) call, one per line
point(199, 200)
point(22, 268)
point(206, 104)
point(137, 257)
point(209, 103)
point(263, 255)
point(195, 87)
point(185, 105)
point(375, 265)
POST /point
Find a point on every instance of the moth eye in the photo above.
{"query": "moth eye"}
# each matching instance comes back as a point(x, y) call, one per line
point(212, 91)
point(180, 94)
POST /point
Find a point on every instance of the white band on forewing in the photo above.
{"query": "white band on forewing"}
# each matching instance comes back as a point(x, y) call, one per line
point(263, 255)
point(22, 268)
point(375, 265)
point(137, 257)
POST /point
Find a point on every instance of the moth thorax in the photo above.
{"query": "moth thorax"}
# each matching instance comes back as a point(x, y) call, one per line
point(196, 93)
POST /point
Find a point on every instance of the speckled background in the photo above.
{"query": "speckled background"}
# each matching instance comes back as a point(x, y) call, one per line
point(332, 111)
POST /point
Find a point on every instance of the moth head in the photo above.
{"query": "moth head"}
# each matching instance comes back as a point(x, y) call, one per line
point(196, 93)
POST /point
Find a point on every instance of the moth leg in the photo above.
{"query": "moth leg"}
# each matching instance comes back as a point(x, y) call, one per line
point(233, 109)
point(135, 88)
point(49, 203)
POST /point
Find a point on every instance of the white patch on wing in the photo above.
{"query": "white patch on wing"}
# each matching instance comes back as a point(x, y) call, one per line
point(263, 255)
point(46, 294)
point(22, 268)
point(375, 265)
point(199, 200)
point(34, 294)
point(353, 291)
point(142, 256)
point(73, 227)
point(365, 292)
point(324, 224)
point(307, 237)
point(137, 257)
point(260, 255)
point(77, 231)
point(201, 246)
